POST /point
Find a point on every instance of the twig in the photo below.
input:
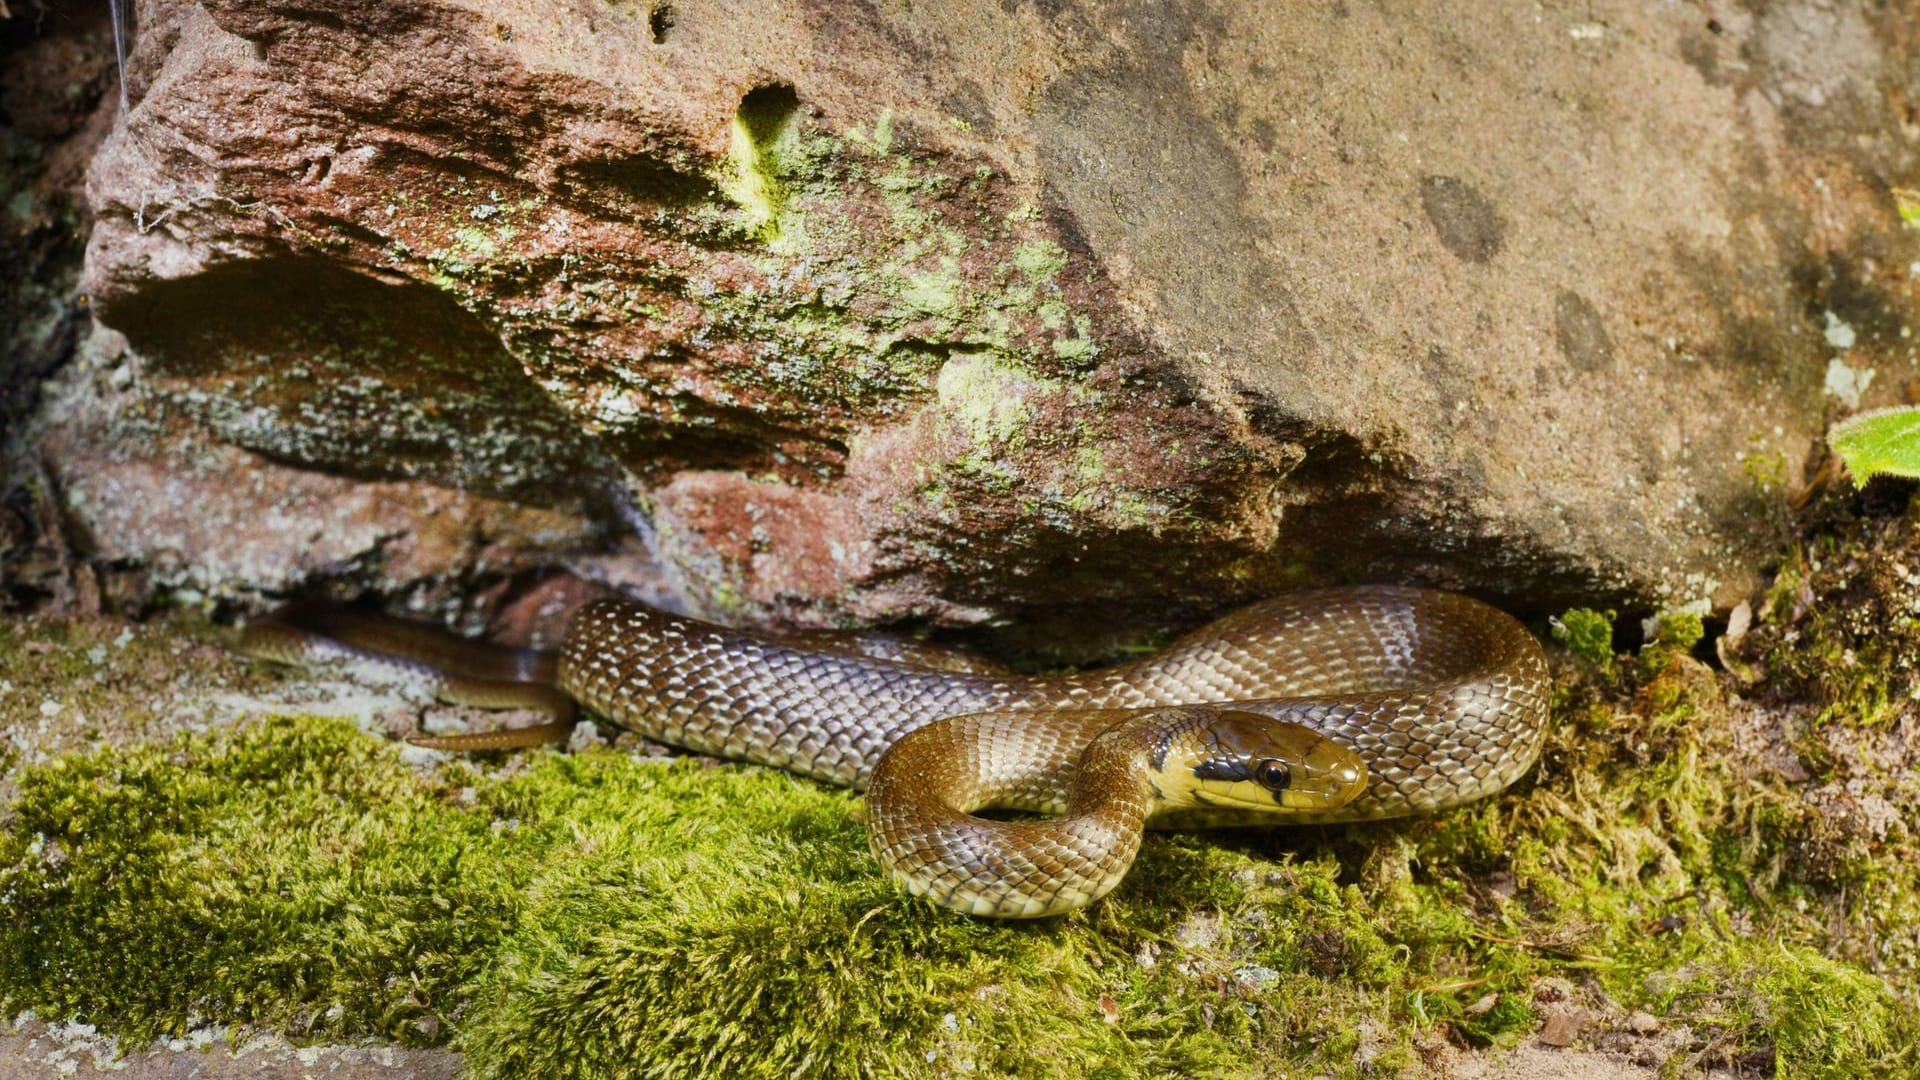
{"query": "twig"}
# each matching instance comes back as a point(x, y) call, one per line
point(1542, 946)
point(1452, 987)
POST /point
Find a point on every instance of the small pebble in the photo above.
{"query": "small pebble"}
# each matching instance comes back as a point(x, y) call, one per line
point(1561, 1028)
point(1643, 1023)
point(1257, 976)
point(1148, 956)
point(1502, 885)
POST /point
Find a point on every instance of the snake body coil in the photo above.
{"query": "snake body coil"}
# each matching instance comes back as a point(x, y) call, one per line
point(1334, 705)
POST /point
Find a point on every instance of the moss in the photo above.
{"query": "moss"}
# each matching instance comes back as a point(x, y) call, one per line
point(1813, 1017)
point(1679, 629)
point(1801, 991)
point(293, 876)
point(1839, 624)
point(595, 915)
point(598, 915)
point(1765, 469)
point(1588, 635)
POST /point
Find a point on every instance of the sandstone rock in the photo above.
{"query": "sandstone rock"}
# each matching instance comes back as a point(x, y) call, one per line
point(981, 310)
point(1562, 1026)
point(159, 508)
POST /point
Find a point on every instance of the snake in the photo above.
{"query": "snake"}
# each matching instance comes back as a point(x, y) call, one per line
point(1344, 704)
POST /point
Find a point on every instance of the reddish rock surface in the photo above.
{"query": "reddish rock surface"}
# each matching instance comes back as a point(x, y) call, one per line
point(978, 311)
point(159, 508)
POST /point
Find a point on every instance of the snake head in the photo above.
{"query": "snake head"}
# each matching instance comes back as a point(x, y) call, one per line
point(1234, 760)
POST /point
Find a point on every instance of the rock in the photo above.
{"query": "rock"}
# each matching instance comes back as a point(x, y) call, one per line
point(977, 312)
point(143, 489)
point(1502, 885)
point(1561, 1026)
point(54, 112)
point(30, 1049)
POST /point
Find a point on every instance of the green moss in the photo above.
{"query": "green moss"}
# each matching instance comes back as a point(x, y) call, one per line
point(1857, 658)
point(1803, 992)
point(1588, 635)
point(294, 875)
point(1679, 629)
point(1765, 469)
point(1823, 1019)
point(594, 915)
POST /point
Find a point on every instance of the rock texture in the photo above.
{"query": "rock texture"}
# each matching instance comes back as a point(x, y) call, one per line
point(976, 310)
point(154, 507)
point(55, 76)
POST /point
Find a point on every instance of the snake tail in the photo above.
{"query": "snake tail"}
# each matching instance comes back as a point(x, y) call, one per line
point(456, 670)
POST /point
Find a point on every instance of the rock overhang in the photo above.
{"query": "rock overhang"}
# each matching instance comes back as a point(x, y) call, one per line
point(1016, 310)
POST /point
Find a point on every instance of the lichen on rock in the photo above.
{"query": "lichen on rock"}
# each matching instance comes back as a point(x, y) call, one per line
point(568, 259)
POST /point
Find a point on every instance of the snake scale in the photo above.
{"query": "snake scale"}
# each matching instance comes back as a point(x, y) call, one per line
point(1345, 704)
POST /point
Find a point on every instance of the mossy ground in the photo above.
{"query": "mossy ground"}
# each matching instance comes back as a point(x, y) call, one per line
point(1686, 848)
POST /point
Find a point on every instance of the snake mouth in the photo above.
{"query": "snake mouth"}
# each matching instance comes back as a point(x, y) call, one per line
point(1333, 777)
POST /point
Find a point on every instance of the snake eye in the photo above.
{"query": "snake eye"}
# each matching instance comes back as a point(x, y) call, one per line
point(1273, 775)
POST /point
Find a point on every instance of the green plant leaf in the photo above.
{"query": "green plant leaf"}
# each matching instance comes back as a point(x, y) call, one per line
point(1879, 441)
point(1907, 202)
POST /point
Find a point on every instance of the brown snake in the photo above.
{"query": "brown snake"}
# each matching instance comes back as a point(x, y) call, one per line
point(1336, 705)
